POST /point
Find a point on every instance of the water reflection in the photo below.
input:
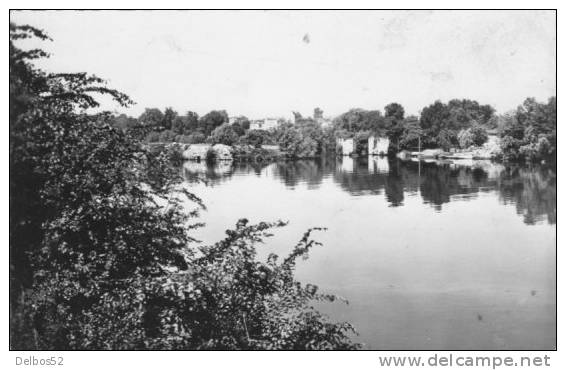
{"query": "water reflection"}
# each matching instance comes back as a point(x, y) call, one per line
point(421, 250)
point(311, 173)
point(530, 188)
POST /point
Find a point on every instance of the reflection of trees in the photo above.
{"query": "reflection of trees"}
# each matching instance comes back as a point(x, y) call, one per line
point(214, 174)
point(532, 190)
point(244, 168)
point(394, 185)
point(439, 182)
point(200, 171)
point(311, 172)
point(356, 179)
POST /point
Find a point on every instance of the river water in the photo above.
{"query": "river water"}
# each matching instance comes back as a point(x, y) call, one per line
point(430, 255)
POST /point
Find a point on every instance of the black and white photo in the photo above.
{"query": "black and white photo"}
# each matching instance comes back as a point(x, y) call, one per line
point(283, 180)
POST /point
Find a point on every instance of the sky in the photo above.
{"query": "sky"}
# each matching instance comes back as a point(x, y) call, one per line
point(270, 63)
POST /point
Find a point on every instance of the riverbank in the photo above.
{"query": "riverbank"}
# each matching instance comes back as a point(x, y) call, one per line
point(272, 153)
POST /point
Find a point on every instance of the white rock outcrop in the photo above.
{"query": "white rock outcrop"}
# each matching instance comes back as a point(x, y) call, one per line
point(196, 151)
point(223, 152)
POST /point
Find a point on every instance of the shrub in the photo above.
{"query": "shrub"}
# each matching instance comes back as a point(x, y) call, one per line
point(167, 136)
point(195, 138)
point(256, 138)
point(175, 154)
point(446, 139)
point(476, 135)
point(224, 134)
point(153, 137)
point(300, 142)
point(529, 132)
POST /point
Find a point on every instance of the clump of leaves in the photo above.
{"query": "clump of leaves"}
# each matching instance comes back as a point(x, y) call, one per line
point(259, 305)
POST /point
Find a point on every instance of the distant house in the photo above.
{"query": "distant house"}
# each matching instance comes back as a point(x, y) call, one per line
point(263, 124)
point(378, 165)
point(378, 145)
point(347, 146)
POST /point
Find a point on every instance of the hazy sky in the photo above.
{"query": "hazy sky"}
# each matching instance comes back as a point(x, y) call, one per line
point(269, 63)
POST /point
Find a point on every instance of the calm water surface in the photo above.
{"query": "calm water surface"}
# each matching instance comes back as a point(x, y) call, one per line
point(438, 255)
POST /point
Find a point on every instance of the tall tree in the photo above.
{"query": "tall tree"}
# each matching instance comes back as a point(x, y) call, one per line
point(124, 122)
point(168, 117)
point(152, 118)
point(224, 134)
point(212, 120)
point(241, 124)
point(395, 111)
point(442, 122)
point(395, 114)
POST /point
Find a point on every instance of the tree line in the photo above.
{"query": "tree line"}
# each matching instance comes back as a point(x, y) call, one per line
point(526, 133)
point(170, 126)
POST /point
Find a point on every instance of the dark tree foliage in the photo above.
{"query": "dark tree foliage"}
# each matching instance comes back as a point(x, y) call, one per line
point(152, 118)
point(356, 120)
point(167, 136)
point(100, 251)
point(185, 125)
point(465, 111)
point(256, 138)
point(305, 139)
point(435, 122)
point(241, 124)
point(476, 135)
point(155, 126)
point(238, 128)
point(168, 117)
point(212, 120)
point(529, 133)
point(124, 122)
point(224, 134)
point(395, 115)
point(395, 111)
point(410, 134)
point(441, 122)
